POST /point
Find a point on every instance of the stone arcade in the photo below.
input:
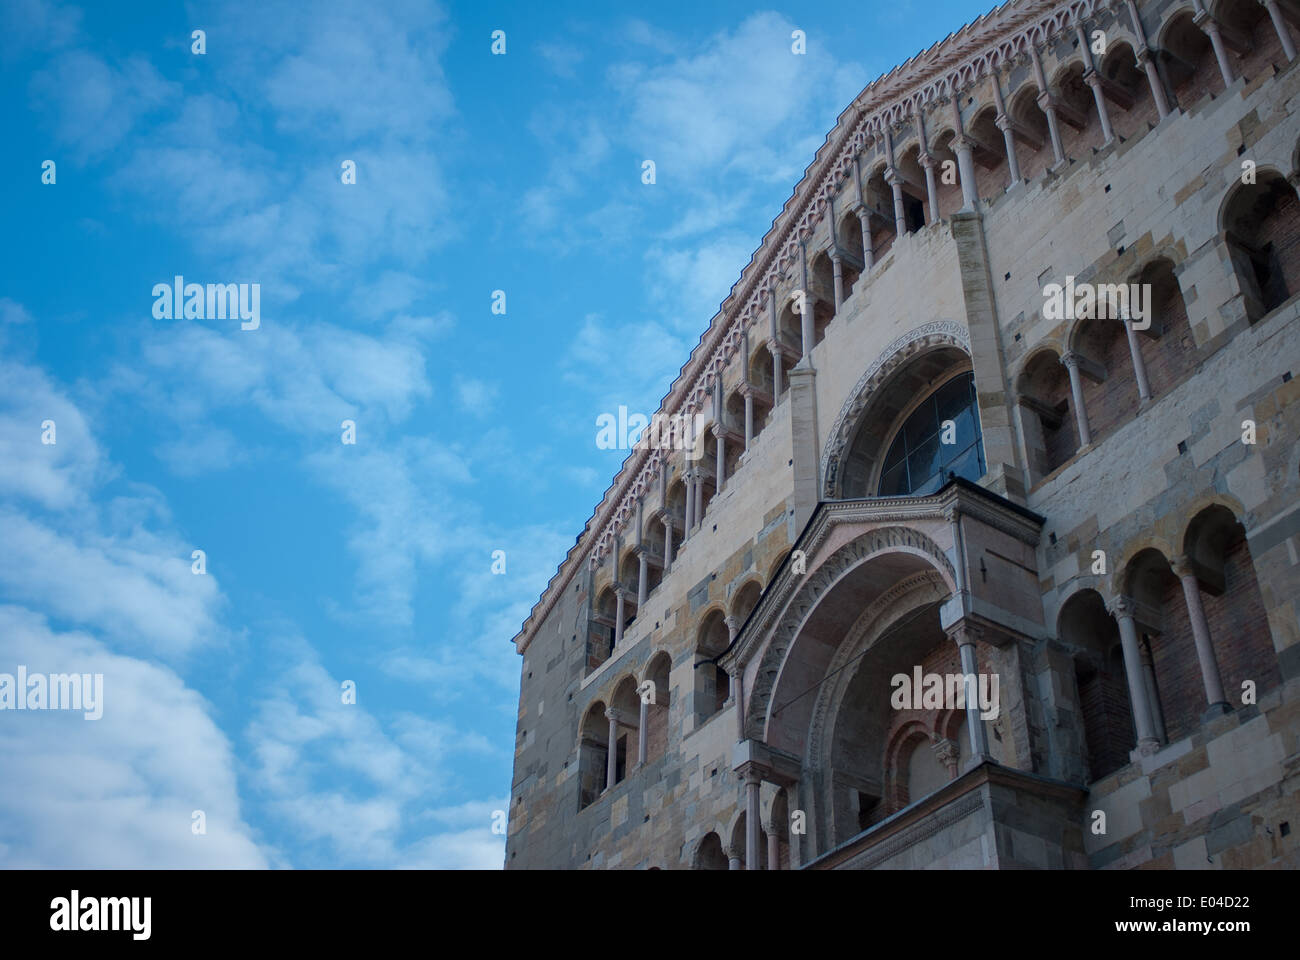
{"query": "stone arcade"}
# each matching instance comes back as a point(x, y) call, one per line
point(1099, 534)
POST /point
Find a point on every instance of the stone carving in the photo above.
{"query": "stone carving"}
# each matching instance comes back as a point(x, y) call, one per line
point(928, 336)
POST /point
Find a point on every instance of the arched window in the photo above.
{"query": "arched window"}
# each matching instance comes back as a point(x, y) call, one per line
point(921, 456)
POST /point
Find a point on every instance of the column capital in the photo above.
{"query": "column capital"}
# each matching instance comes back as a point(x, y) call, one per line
point(927, 160)
point(965, 633)
point(1121, 606)
point(618, 717)
point(946, 751)
point(1183, 566)
point(1071, 359)
point(962, 142)
point(621, 592)
point(892, 176)
point(752, 771)
point(733, 626)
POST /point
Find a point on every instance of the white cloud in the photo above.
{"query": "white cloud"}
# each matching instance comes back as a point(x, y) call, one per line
point(118, 791)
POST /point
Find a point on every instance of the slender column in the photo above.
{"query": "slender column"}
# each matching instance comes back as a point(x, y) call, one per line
point(773, 851)
point(668, 545)
point(1094, 80)
point(838, 267)
point(1154, 82)
point(749, 419)
point(642, 734)
point(900, 215)
point(734, 682)
point(689, 479)
point(1123, 608)
point(966, 172)
point(1006, 125)
point(776, 371)
point(1053, 127)
point(619, 592)
point(1218, 703)
point(1047, 104)
point(1210, 26)
point(1148, 63)
point(734, 863)
point(641, 584)
point(965, 635)
point(752, 823)
point(1139, 365)
point(864, 219)
point(722, 456)
point(1153, 698)
point(931, 186)
point(805, 302)
point(1009, 140)
point(1283, 34)
point(699, 497)
point(1071, 361)
point(611, 761)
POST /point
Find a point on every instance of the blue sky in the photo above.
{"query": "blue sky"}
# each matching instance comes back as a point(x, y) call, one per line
point(329, 562)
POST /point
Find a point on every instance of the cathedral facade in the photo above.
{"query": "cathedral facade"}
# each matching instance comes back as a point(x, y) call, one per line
point(1005, 397)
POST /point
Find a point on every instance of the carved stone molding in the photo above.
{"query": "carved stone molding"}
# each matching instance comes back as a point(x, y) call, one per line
point(803, 600)
point(928, 336)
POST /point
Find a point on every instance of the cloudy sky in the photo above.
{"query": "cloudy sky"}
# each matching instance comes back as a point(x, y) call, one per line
point(328, 562)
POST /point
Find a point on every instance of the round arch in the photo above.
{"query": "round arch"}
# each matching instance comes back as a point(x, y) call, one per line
point(866, 402)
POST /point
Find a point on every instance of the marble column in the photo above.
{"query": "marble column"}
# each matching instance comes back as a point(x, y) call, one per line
point(965, 635)
point(641, 733)
point(864, 220)
point(752, 822)
point(611, 762)
point(721, 465)
point(1210, 27)
point(900, 214)
point(1139, 365)
point(1283, 33)
point(837, 266)
point(749, 417)
point(1071, 361)
point(966, 173)
point(1123, 609)
point(1214, 696)
point(619, 615)
point(931, 186)
point(689, 479)
point(668, 544)
point(773, 851)
point(1009, 140)
point(1093, 79)
point(641, 584)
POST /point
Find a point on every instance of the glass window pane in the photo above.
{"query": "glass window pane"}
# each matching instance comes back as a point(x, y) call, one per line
point(923, 461)
point(894, 482)
point(953, 397)
point(921, 425)
point(897, 451)
point(968, 465)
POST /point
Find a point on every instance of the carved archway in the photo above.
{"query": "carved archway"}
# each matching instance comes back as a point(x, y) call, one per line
point(900, 541)
point(936, 335)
